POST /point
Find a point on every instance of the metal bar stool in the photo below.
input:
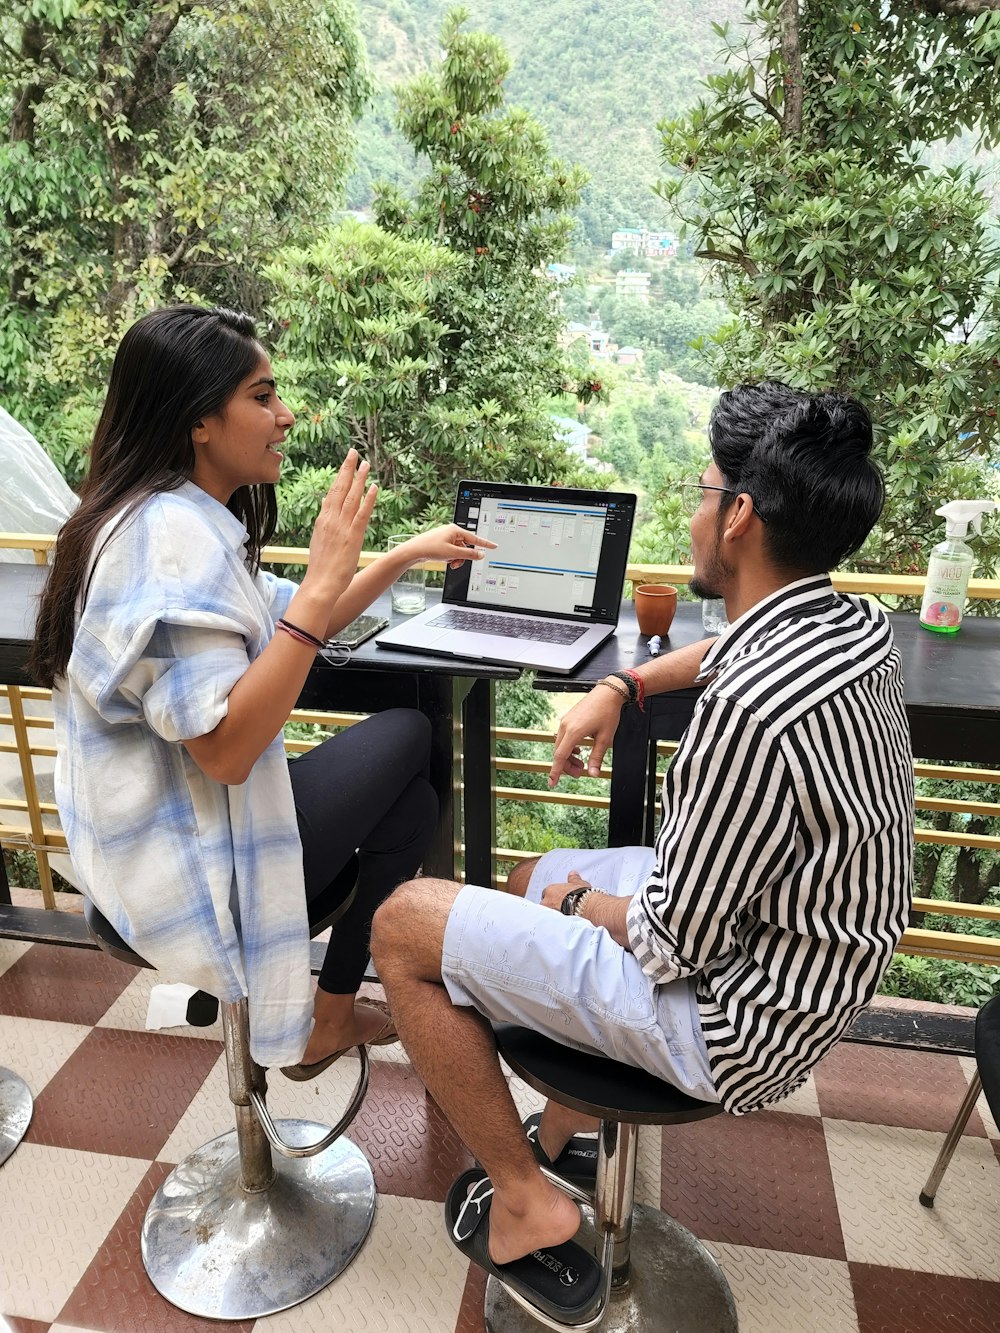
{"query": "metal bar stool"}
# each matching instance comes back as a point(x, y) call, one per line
point(986, 1079)
point(233, 1233)
point(657, 1275)
point(16, 1106)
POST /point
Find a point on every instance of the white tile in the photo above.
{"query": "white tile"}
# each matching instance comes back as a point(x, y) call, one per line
point(37, 1049)
point(10, 952)
point(777, 1292)
point(322, 1100)
point(879, 1172)
point(989, 1122)
point(408, 1278)
point(803, 1101)
point(60, 1204)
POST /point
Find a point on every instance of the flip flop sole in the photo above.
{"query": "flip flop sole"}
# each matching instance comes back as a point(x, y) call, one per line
point(562, 1281)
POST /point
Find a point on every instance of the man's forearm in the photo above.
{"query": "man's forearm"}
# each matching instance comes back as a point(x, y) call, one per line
point(602, 909)
point(675, 670)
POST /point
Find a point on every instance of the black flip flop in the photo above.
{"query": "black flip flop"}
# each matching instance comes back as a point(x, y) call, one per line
point(577, 1162)
point(562, 1282)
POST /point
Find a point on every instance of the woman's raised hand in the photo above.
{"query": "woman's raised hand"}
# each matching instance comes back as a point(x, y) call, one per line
point(450, 542)
point(339, 532)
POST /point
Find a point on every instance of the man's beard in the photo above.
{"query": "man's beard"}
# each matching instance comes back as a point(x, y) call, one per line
point(710, 582)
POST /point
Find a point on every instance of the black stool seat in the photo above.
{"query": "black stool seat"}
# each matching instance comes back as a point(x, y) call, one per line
point(108, 938)
point(594, 1084)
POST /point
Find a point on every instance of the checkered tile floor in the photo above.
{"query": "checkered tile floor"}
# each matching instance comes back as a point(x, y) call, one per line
point(811, 1210)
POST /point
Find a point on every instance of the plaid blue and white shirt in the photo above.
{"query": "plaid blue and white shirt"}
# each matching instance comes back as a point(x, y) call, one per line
point(204, 881)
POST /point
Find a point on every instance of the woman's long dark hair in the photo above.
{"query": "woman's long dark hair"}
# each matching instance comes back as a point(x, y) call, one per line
point(174, 367)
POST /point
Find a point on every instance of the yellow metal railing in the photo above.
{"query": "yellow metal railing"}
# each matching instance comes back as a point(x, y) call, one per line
point(34, 832)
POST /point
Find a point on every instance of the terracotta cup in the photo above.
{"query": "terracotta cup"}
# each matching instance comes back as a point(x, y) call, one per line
point(655, 604)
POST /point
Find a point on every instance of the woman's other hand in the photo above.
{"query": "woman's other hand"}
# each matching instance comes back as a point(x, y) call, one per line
point(339, 532)
point(451, 543)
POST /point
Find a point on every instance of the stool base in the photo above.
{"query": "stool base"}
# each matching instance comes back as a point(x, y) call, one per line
point(16, 1106)
point(216, 1251)
point(675, 1286)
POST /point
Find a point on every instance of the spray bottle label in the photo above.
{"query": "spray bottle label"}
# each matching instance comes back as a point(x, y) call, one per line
point(944, 593)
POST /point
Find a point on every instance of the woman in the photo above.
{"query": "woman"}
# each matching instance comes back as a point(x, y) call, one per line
point(175, 661)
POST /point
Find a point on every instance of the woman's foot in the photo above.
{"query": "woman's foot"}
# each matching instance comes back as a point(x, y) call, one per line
point(344, 1021)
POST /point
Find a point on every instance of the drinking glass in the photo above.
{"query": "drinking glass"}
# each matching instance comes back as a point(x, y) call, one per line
point(409, 592)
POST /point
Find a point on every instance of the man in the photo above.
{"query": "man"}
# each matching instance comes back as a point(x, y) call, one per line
point(781, 877)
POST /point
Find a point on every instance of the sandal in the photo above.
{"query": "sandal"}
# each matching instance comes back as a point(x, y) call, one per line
point(561, 1281)
point(387, 1033)
point(577, 1162)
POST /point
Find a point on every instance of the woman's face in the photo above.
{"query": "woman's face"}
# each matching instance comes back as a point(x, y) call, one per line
point(240, 445)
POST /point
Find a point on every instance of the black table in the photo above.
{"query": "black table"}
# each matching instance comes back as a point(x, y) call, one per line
point(454, 694)
point(951, 684)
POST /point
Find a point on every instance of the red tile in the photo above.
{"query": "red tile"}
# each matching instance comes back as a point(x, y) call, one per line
point(761, 1179)
point(471, 1317)
point(122, 1092)
point(879, 1086)
point(63, 984)
point(413, 1150)
point(115, 1294)
point(893, 1300)
point(15, 1323)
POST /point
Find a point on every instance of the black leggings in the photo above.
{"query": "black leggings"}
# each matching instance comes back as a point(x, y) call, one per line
point(365, 790)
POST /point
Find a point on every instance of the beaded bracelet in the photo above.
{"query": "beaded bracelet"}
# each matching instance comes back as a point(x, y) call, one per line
point(302, 635)
point(640, 686)
point(633, 683)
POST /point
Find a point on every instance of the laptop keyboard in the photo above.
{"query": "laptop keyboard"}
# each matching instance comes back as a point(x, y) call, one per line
point(509, 627)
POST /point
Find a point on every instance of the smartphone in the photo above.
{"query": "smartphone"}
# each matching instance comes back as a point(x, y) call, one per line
point(358, 631)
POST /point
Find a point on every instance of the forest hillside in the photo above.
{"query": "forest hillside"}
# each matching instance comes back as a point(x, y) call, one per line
point(598, 74)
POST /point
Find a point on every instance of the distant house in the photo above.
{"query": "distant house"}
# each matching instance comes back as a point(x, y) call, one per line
point(598, 341)
point(639, 241)
point(634, 283)
point(628, 356)
point(576, 435)
point(561, 272)
point(628, 238)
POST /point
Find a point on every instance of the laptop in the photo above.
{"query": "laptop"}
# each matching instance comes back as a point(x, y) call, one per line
point(548, 596)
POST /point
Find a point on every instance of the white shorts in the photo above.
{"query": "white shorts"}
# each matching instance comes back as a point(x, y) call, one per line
point(518, 962)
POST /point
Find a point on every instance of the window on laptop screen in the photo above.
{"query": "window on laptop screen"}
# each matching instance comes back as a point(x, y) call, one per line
point(559, 553)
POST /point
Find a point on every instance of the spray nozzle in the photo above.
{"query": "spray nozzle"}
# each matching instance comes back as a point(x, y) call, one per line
point(958, 514)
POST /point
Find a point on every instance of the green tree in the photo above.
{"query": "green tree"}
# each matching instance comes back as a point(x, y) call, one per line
point(360, 358)
point(493, 195)
point(154, 150)
point(847, 261)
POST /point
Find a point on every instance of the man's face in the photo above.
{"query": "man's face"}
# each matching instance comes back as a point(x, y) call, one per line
point(712, 572)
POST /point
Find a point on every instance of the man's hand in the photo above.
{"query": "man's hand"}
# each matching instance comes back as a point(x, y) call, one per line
point(553, 894)
point(595, 716)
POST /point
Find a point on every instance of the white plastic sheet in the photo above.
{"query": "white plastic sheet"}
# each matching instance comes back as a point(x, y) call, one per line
point(33, 498)
point(33, 495)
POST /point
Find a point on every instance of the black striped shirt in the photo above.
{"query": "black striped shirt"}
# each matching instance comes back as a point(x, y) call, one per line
point(784, 861)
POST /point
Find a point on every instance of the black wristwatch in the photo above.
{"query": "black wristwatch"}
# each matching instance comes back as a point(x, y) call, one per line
point(570, 905)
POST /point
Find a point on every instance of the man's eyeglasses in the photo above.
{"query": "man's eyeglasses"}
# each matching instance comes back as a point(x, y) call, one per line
point(691, 494)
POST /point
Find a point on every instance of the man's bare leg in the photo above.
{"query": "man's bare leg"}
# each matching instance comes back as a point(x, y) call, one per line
point(454, 1052)
point(559, 1123)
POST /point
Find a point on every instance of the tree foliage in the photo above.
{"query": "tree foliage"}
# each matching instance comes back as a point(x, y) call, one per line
point(847, 260)
point(156, 150)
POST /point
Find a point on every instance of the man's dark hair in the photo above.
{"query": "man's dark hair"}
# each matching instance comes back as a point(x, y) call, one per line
point(805, 461)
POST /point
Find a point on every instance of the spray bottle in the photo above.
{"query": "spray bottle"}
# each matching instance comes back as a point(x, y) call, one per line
point(951, 565)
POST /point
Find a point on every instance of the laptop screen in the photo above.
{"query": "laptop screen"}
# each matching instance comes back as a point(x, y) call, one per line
point(560, 552)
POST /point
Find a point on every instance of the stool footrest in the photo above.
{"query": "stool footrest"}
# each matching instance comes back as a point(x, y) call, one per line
point(311, 1149)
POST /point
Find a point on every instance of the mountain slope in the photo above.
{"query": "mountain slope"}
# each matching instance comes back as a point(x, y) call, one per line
point(598, 74)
